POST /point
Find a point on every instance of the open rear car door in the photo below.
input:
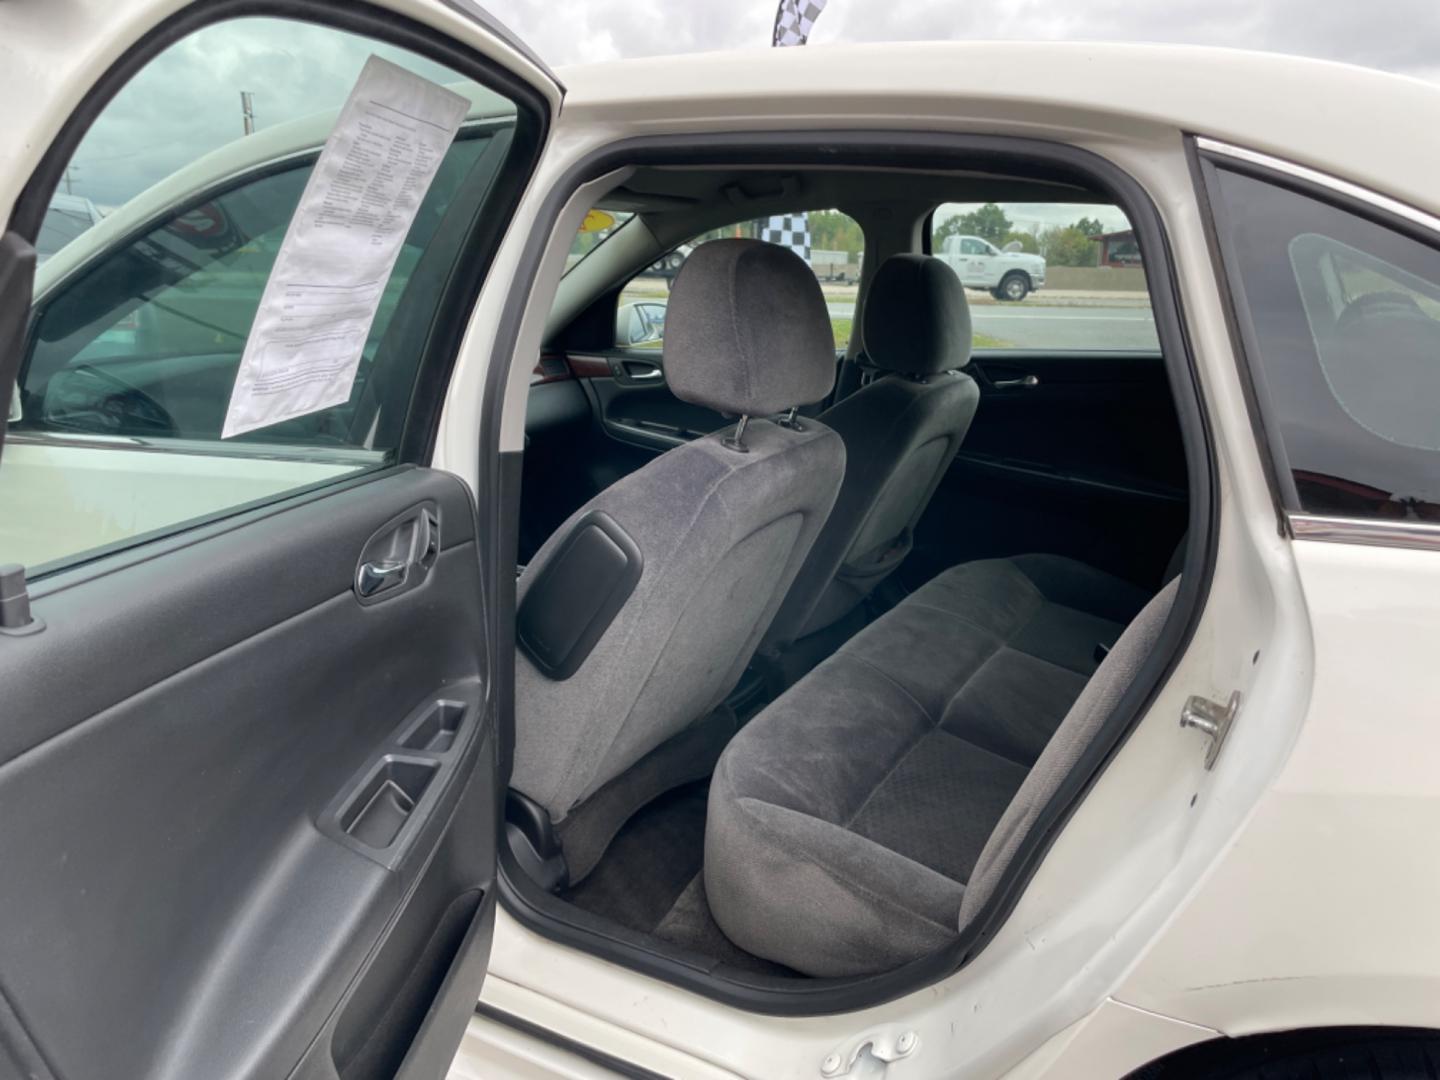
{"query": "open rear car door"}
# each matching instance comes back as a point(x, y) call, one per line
point(248, 779)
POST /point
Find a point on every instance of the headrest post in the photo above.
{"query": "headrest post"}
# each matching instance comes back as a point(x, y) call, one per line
point(789, 421)
point(736, 442)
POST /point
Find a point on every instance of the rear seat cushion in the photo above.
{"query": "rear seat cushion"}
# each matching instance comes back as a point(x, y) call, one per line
point(846, 819)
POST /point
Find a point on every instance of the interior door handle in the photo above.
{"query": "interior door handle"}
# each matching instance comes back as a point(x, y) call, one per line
point(1025, 382)
point(651, 373)
point(399, 556)
point(380, 574)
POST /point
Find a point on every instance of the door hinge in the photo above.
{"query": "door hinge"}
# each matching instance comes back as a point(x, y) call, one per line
point(1214, 719)
point(870, 1056)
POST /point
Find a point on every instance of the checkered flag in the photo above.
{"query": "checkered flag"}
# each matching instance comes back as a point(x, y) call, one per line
point(794, 21)
point(788, 230)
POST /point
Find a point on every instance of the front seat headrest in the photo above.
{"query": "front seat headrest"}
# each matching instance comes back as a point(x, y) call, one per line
point(916, 319)
point(747, 331)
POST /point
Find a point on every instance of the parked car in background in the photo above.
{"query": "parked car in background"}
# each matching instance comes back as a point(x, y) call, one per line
point(640, 323)
point(1006, 275)
point(669, 265)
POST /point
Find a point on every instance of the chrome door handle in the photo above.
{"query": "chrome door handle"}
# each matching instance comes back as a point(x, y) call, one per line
point(1025, 382)
point(382, 574)
point(653, 373)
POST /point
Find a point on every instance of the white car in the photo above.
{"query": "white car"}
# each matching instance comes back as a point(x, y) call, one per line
point(934, 706)
point(1006, 275)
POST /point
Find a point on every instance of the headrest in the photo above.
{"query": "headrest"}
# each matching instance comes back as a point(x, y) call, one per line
point(747, 331)
point(916, 318)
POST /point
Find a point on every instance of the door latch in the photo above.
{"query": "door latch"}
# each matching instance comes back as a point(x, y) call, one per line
point(870, 1056)
point(1214, 719)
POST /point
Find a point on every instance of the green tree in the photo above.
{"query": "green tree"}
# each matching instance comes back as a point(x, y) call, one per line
point(830, 230)
point(1089, 226)
point(1068, 246)
point(988, 222)
point(1026, 240)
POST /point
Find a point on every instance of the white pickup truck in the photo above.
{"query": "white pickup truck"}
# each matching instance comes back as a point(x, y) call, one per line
point(1006, 275)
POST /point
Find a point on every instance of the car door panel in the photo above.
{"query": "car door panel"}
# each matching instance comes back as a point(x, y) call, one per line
point(1077, 454)
point(199, 758)
point(249, 776)
point(636, 406)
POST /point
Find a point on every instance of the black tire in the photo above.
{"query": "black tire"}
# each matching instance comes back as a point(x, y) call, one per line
point(1319, 1055)
point(1014, 286)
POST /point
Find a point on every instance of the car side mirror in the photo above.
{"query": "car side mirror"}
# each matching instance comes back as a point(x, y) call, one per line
point(633, 327)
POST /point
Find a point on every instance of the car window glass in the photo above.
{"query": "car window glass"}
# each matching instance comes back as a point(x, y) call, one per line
point(1051, 276)
point(830, 242)
point(1343, 320)
point(148, 341)
point(599, 225)
point(66, 217)
point(157, 249)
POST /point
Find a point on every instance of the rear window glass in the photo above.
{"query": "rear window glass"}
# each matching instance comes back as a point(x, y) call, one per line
point(830, 242)
point(1057, 276)
point(1342, 318)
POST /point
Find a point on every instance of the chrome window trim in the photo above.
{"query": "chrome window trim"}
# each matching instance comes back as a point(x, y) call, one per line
point(1324, 180)
point(1420, 535)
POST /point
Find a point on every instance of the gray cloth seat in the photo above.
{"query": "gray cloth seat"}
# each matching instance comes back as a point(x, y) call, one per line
point(719, 527)
point(901, 432)
point(867, 813)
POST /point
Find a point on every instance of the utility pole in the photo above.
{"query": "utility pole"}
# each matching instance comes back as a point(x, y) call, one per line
point(247, 111)
point(68, 169)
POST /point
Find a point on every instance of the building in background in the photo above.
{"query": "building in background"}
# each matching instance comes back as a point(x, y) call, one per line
point(1118, 249)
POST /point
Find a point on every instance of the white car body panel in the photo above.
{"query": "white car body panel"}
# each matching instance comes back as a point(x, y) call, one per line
point(1329, 887)
point(1280, 889)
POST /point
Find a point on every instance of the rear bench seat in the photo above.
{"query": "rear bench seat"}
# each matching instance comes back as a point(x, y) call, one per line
point(853, 823)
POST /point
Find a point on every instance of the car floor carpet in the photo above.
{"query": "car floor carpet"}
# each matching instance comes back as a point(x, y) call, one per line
point(649, 880)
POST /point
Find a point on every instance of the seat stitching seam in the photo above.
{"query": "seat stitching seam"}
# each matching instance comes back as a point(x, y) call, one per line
point(985, 749)
point(895, 683)
point(888, 774)
point(1026, 625)
point(843, 878)
point(1001, 643)
point(910, 602)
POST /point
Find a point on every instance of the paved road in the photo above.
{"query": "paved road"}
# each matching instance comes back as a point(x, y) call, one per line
point(1028, 325)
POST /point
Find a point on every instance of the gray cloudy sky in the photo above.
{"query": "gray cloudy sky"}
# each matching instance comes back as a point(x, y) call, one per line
point(187, 101)
point(1397, 35)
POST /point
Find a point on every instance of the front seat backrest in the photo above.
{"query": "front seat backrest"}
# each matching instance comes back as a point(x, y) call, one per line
point(639, 615)
point(901, 432)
